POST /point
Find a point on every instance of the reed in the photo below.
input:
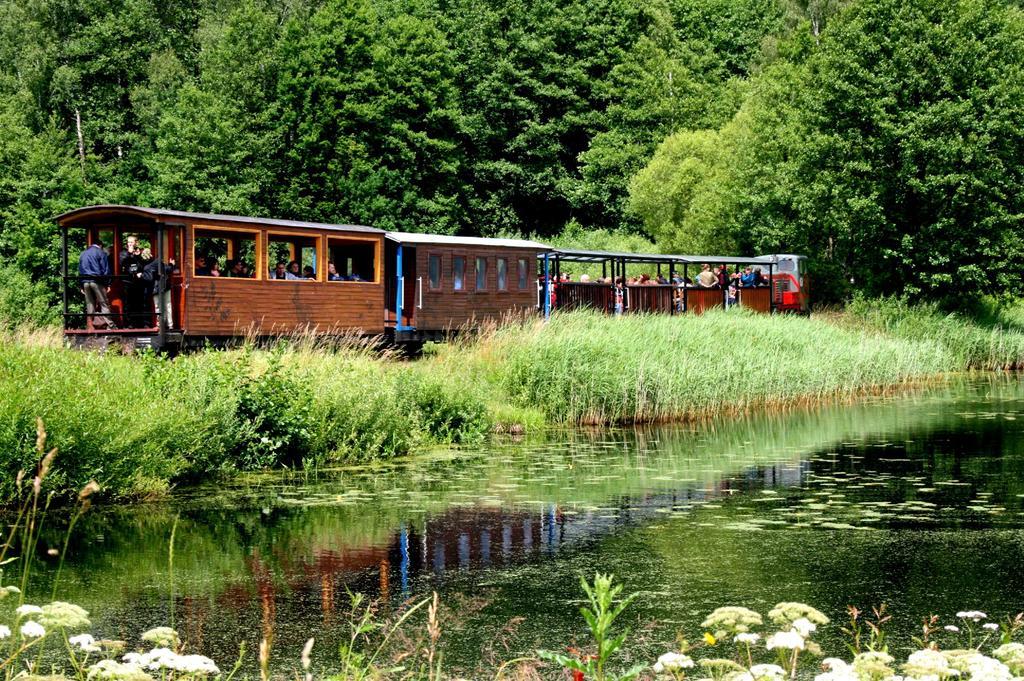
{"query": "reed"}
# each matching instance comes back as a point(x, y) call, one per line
point(138, 424)
point(591, 369)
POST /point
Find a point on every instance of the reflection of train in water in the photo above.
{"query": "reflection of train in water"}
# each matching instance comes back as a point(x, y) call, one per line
point(234, 275)
point(287, 583)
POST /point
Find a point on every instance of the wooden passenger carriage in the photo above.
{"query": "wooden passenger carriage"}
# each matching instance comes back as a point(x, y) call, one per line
point(450, 282)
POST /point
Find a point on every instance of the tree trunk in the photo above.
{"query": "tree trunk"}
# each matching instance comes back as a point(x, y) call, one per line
point(81, 142)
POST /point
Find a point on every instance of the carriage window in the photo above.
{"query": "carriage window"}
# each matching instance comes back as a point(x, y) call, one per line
point(481, 274)
point(502, 269)
point(351, 260)
point(434, 271)
point(224, 253)
point(524, 274)
point(292, 257)
point(459, 273)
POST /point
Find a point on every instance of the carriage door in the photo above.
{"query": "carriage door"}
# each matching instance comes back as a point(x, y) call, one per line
point(401, 289)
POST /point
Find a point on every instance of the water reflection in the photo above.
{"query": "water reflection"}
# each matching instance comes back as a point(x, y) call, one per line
point(873, 501)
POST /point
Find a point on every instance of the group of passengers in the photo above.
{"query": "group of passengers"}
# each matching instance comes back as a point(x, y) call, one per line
point(717, 277)
point(143, 278)
point(208, 266)
point(295, 272)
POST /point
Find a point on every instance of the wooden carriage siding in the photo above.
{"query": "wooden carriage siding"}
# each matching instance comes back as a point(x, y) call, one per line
point(442, 307)
point(225, 306)
point(210, 307)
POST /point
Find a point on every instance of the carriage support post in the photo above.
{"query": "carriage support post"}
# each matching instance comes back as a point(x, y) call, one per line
point(64, 271)
point(547, 286)
point(672, 291)
point(771, 288)
point(161, 318)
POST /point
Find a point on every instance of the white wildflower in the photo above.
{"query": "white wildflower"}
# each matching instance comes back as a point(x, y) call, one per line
point(32, 630)
point(834, 664)
point(731, 619)
point(85, 642)
point(838, 675)
point(112, 670)
point(975, 615)
point(980, 667)
point(747, 637)
point(27, 610)
point(164, 637)
point(928, 663)
point(165, 658)
point(804, 627)
point(787, 613)
point(1012, 655)
point(61, 615)
point(873, 664)
point(951, 627)
point(193, 664)
point(5, 631)
point(785, 639)
point(991, 626)
point(767, 671)
point(672, 661)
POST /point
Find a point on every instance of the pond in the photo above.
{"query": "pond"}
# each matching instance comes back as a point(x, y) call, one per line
point(916, 501)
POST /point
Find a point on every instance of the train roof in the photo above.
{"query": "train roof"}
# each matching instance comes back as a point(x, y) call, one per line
point(577, 255)
point(162, 214)
point(574, 255)
point(444, 240)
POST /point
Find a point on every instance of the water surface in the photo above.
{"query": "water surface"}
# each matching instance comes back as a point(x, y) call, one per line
point(915, 501)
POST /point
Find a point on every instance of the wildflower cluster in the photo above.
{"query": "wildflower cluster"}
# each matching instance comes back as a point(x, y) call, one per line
point(167, 659)
point(731, 620)
point(798, 622)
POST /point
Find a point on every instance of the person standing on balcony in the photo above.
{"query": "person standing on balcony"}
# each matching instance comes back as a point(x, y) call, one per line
point(94, 273)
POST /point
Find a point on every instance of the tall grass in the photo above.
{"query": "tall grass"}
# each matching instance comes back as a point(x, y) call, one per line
point(990, 337)
point(587, 368)
point(137, 423)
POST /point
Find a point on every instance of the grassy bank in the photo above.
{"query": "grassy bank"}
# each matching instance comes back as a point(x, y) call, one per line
point(585, 368)
point(137, 424)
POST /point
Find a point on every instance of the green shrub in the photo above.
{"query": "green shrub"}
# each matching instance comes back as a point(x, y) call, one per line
point(24, 302)
point(274, 410)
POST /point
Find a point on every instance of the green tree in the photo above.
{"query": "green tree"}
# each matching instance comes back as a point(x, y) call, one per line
point(369, 121)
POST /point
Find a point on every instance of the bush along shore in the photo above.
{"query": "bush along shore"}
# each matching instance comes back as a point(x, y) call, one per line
point(138, 424)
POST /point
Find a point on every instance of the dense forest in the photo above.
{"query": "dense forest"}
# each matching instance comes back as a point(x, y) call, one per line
point(881, 137)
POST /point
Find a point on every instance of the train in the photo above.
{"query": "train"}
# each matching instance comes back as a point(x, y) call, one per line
point(283, 276)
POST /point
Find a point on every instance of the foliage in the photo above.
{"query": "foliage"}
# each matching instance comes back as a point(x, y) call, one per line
point(604, 608)
point(213, 412)
point(884, 149)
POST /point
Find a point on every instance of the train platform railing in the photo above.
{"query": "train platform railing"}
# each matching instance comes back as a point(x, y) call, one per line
point(656, 298)
point(132, 308)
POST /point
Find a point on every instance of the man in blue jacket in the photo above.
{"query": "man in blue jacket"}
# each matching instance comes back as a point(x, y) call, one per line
point(94, 270)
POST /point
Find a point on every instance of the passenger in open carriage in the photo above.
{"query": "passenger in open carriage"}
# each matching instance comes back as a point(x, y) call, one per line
point(707, 278)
